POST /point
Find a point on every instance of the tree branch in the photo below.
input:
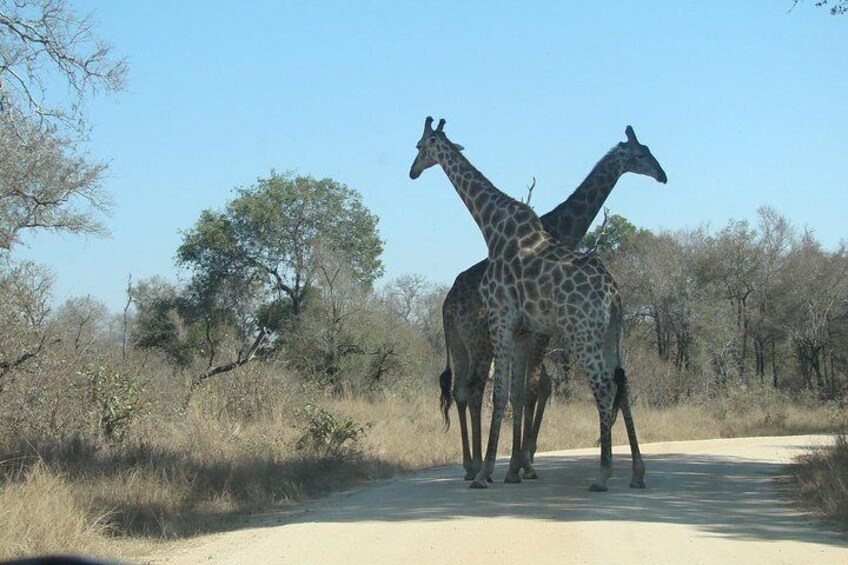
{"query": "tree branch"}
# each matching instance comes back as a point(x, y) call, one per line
point(217, 370)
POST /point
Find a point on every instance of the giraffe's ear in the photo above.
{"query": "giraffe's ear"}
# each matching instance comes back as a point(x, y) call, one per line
point(459, 147)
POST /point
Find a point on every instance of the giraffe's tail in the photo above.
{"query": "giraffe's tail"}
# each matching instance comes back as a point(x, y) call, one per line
point(445, 381)
point(620, 392)
point(619, 376)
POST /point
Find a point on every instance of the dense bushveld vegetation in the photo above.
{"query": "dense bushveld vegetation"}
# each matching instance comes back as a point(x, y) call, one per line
point(188, 409)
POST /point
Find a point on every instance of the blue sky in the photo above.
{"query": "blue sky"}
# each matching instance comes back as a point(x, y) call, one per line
point(743, 103)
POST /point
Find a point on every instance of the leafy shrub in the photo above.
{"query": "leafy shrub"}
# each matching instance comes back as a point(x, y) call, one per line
point(116, 395)
point(329, 435)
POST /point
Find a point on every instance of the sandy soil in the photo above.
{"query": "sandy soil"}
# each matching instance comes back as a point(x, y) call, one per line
point(714, 501)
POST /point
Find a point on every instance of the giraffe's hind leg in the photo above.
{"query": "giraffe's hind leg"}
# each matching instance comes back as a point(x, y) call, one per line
point(538, 391)
point(460, 393)
point(638, 478)
point(463, 436)
point(528, 472)
point(603, 389)
point(542, 394)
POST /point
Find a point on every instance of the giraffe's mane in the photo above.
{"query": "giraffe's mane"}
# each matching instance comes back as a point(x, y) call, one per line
point(577, 191)
point(501, 195)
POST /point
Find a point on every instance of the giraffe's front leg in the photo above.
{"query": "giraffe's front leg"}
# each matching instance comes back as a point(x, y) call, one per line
point(500, 394)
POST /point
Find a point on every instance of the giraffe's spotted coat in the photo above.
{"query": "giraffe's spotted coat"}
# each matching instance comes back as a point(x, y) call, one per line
point(532, 287)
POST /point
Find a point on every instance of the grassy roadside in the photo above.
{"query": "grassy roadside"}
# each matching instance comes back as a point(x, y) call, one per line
point(820, 479)
point(193, 474)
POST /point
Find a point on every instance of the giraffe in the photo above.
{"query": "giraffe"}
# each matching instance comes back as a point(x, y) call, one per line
point(534, 285)
point(464, 315)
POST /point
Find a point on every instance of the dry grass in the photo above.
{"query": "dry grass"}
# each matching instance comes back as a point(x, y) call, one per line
point(220, 460)
point(40, 512)
point(820, 477)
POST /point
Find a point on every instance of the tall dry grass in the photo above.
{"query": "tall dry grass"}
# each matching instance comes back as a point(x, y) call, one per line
point(820, 477)
point(234, 449)
point(40, 512)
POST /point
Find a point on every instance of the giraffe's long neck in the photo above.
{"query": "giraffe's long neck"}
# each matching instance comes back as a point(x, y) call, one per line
point(508, 226)
point(570, 221)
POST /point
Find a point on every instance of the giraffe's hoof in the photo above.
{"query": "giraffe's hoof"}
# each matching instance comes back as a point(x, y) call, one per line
point(531, 475)
point(469, 476)
point(489, 480)
point(512, 478)
point(598, 488)
point(479, 484)
point(637, 483)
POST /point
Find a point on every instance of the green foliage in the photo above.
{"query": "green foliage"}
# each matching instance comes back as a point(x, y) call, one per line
point(614, 235)
point(116, 396)
point(160, 321)
point(271, 231)
point(256, 264)
point(331, 436)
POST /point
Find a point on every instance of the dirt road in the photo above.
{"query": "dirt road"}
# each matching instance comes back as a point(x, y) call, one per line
point(714, 501)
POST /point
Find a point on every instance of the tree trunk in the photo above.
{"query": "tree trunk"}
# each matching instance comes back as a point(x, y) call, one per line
point(774, 363)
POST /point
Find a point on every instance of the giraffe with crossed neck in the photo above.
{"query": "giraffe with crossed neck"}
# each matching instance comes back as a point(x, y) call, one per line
point(464, 314)
point(535, 285)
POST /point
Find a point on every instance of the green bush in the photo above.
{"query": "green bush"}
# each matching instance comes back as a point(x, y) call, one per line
point(329, 435)
point(116, 396)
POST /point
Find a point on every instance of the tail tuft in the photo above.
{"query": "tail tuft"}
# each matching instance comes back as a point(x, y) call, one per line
point(620, 377)
point(445, 381)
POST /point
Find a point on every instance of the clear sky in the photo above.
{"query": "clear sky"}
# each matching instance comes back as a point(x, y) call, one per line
point(743, 103)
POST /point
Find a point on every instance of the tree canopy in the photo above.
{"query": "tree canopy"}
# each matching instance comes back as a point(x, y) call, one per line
point(271, 234)
point(256, 263)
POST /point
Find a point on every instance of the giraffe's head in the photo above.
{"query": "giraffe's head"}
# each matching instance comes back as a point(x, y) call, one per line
point(428, 147)
point(638, 158)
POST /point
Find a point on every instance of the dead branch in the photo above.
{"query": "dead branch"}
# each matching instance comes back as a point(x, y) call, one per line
point(530, 191)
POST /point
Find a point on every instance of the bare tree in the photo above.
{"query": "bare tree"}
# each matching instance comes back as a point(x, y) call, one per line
point(82, 322)
point(43, 185)
point(45, 182)
point(403, 295)
point(41, 40)
point(24, 308)
point(817, 310)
